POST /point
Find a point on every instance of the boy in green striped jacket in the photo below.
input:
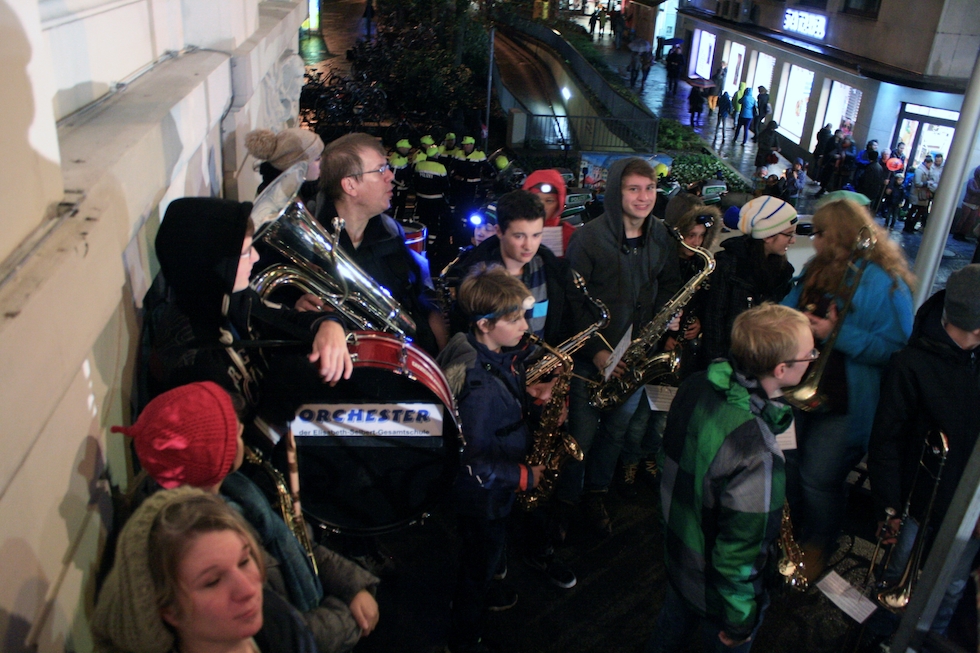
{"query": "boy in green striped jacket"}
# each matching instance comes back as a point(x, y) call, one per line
point(723, 483)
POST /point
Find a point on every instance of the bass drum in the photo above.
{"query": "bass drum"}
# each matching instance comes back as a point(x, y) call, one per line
point(386, 447)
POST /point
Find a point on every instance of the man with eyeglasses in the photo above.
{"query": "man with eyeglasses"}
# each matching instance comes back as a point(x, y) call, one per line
point(723, 484)
point(356, 186)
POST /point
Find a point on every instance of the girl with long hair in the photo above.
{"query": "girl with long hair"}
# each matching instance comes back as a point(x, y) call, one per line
point(877, 325)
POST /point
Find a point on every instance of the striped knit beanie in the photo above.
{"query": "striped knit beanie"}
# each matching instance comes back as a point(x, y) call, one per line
point(766, 216)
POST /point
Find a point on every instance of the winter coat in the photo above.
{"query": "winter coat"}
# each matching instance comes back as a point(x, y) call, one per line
point(565, 301)
point(973, 189)
point(931, 384)
point(724, 105)
point(719, 81)
point(323, 600)
point(490, 395)
point(722, 492)
point(747, 105)
point(762, 105)
point(737, 99)
point(738, 283)
point(695, 101)
point(199, 246)
point(879, 324)
point(633, 283)
point(768, 141)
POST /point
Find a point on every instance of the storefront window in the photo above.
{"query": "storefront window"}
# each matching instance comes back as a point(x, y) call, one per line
point(764, 66)
point(794, 100)
point(842, 108)
point(736, 60)
point(704, 44)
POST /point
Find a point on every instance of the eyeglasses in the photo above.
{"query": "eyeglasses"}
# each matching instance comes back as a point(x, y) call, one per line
point(814, 355)
point(791, 235)
point(383, 169)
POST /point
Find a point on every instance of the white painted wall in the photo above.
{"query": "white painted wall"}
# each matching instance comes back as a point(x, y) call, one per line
point(68, 316)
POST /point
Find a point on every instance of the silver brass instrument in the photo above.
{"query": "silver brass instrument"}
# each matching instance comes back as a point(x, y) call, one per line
point(642, 364)
point(317, 265)
point(896, 598)
point(550, 444)
point(808, 395)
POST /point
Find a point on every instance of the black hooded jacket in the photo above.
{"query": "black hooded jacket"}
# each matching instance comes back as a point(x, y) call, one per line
point(634, 283)
point(740, 281)
point(930, 384)
point(564, 299)
point(199, 247)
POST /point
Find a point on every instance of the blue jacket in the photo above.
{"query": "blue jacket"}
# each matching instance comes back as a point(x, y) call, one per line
point(490, 396)
point(747, 105)
point(878, 325)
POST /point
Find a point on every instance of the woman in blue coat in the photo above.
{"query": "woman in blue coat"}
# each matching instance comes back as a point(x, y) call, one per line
point(877, 325)
point(746, 112)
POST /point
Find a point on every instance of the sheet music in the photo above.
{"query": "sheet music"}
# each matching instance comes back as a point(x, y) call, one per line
point(787, 439)
point(846, 597)
point(660, 397)
point(618, 352)
point(552, 239)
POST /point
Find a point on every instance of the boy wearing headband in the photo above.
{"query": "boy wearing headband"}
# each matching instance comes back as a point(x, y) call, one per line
point(486, 371)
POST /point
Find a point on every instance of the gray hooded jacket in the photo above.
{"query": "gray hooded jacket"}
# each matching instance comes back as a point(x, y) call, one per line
point(633, 282)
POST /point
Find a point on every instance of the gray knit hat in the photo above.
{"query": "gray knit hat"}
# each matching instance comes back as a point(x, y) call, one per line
point(963, 298)
point(126, 616)
point(284, 149)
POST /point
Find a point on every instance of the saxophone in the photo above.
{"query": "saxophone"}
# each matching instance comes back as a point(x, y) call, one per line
point(642, 364)
point(791, 564)
point(551, 444)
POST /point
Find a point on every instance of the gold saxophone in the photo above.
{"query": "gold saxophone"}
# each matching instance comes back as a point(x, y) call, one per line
point(642, 364)
point(550, 444)
point(294, 520)
point(792, 567)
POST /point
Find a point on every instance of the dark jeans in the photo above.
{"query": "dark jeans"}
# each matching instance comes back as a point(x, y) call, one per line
point(743, 123)
point(915, 214)
point(481, 543)
point(678, 621)
point(825, 457)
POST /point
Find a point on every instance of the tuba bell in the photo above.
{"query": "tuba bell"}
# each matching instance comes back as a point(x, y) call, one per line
point(316, 264)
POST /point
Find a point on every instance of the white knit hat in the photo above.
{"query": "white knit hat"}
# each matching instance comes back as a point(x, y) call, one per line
point(285, 148)
point(766, 216)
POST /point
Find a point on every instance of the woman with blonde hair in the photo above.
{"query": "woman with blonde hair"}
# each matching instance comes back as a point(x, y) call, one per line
point(877, 325)
point(187, 578)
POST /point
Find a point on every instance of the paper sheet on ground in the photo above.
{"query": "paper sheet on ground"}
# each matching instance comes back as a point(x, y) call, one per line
point(842, 594)
point(618, 352)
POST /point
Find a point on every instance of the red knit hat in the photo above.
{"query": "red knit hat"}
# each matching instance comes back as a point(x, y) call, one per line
point(187, 436)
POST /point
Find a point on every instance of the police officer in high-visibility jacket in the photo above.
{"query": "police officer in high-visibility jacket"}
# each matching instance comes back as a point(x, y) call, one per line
point(424, 144)
point(401, 166)
point(469, 169)
point(431, 181)
point(449, 151)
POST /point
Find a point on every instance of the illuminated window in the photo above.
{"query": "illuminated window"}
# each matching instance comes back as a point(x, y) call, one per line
point(794, 99)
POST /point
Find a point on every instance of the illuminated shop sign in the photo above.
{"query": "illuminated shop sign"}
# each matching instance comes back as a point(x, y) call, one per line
point(803, 22)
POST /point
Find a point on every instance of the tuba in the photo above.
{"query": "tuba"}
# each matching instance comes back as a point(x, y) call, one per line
point(807, 395)
point(550, 445)
point(642, 364)
point(317, 265)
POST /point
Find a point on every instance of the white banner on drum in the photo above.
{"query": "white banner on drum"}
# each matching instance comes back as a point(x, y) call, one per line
point(359, 420)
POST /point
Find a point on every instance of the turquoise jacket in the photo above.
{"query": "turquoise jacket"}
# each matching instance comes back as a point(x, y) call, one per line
point(878, 325)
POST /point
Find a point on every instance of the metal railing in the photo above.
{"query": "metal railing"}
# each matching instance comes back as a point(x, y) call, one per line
point(632, 122)
point(594, 133)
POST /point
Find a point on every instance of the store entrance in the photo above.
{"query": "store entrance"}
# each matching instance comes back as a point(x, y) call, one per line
point(925, 130)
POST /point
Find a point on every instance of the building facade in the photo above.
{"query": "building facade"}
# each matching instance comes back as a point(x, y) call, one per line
point(891, 70)
point(112, 108)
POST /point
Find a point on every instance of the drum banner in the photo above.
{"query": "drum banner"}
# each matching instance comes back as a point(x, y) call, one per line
point(370, 421)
